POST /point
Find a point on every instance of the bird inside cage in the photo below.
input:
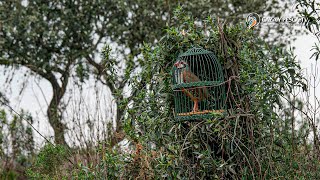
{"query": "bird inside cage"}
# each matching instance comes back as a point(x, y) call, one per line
point(185, 75)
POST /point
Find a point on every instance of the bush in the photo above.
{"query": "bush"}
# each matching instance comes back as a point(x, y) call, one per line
point(49, 162)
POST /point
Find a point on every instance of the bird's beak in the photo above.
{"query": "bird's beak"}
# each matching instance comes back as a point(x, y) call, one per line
point(176, 64)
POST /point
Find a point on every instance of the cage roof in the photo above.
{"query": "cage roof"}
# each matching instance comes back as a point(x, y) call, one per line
point(195, 51)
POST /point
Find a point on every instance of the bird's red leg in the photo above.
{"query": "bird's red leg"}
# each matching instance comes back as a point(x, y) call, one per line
point(195, 106)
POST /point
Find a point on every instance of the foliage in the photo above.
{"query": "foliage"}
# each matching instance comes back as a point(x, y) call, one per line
point(110, 167)
point(251, 142)
point(244, 144)
point(48, 162)
point(51, 163)
point(16, 144)
point(309, 9)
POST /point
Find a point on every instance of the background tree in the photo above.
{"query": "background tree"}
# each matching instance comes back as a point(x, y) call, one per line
point(54, 40)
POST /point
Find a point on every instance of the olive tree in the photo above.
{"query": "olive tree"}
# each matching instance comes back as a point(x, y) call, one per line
point(54, 40)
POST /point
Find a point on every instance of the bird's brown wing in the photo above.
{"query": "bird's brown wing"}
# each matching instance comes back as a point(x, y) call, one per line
point(194, 93)
point(188, 77)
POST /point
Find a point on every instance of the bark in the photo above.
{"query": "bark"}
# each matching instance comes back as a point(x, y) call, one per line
point(54, 116)
point(118, 134)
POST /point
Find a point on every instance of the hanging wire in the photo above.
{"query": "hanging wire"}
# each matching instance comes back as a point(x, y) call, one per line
point(31, 125)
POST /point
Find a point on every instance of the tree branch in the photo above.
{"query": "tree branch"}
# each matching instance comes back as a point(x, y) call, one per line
point(100, 70)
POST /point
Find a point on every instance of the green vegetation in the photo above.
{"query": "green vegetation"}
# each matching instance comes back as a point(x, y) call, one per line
point(48, 163)
point(257, 138)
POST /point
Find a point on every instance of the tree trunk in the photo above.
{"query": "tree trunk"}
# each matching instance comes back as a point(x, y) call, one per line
point(56, 124)
point(119, 115)
point(118, 134)
point(53, 113)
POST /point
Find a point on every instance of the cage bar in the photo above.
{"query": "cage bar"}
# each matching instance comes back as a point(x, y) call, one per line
point(197, 78)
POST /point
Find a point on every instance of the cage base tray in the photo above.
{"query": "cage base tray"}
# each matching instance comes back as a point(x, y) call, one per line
point(200, 112)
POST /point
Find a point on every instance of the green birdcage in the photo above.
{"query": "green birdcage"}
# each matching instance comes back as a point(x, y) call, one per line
point(198, 85)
